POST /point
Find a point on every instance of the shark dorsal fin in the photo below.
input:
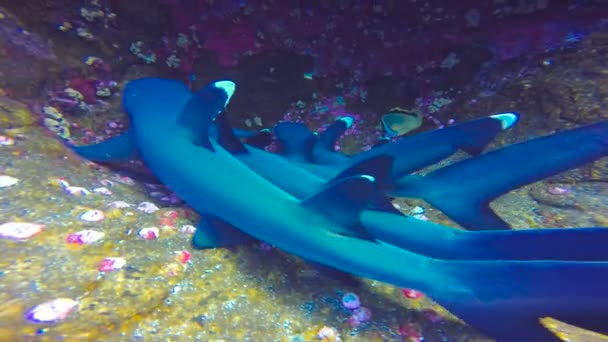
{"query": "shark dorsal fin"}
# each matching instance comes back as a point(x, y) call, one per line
point(203, 107)
point(378, 167)
point(296, 140)
point(332, 134)
point(226, 137)
point(261, 139)
point(343, 202)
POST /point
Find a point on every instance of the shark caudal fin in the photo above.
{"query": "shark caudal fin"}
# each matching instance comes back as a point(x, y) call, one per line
point(464, 189)
point(323, 149)
point(414, 152)
point(296, 141)
point(506, 300)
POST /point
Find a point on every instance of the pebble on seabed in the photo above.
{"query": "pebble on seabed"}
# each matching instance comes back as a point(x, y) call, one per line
point(7, 181)
point(147, 207)
point(84, 237)
point(149, 233)
point(92, 215)
point(51, 311)
point(111, 264)
point(6, 141)
point(19, 230)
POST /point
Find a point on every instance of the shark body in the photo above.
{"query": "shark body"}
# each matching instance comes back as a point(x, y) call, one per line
point(223, 189)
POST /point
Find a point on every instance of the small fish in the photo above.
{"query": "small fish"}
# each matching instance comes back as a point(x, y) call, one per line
point(52, 311)
point(6, 181)
point(19, 230)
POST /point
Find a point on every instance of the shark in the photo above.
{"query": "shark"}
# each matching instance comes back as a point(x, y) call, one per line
point(326, 227)
point(302, 146)
point(485, 177)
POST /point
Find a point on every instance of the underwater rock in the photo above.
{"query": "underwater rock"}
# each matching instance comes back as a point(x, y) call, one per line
point(14, 114)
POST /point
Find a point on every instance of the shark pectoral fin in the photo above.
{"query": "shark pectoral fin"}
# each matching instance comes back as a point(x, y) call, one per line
point(213, 232)
point(117, 149)
point(226, 137)
point(203, 107)
point(296, 140)
point(378, 167)
point(343, 202)
point(261, 139)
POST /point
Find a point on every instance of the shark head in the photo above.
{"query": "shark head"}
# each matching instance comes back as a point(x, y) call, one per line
point(155, 99)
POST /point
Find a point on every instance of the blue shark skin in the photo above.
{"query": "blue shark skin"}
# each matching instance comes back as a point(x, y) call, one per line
point(440, 242)
point(323, 150)
point(421, 237)
point(492, 174)
point(296, 141)
point(211, 180)
point(411, 153)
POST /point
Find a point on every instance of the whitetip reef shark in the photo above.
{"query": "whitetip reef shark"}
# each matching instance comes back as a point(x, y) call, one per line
point(503, 298)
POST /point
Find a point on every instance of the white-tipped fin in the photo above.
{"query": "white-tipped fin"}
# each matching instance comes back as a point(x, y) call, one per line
point(507, 120)
point(228, 87)
point(349, 121)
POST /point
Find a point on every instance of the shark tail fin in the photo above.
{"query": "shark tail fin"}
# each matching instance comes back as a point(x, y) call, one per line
point(519, 294)
point(463, 190)
point(296, 140)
